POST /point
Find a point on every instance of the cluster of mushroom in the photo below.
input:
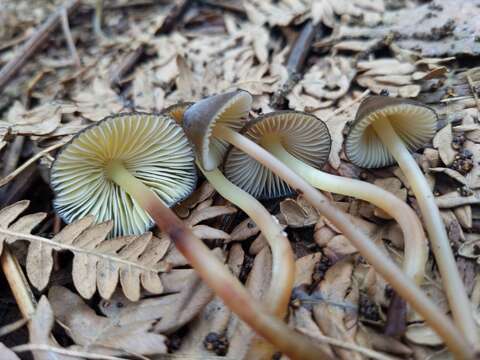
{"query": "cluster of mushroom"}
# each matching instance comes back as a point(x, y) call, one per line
point(132, 167)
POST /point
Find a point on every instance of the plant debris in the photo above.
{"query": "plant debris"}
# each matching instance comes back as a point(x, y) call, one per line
point(65, 65)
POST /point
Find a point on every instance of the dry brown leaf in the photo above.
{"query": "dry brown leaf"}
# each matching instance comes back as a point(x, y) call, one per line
point(257, 283)
point(214, 318)
point(464, 216)
point(202, 193)
point(117, 334)
point(304, 268)
point(39, 331)
point(422, 335)
point(454, 198)
point(132, 260)
point(334, 319)
point(98, 100)
point(450, 172)
point(443, 142)
point(298, 213)
point(246, 229)
point(146, 96)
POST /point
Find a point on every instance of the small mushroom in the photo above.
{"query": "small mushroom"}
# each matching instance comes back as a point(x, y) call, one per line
point(129, 167)
point(209, 151)
point(302, 141)
point(386, 130)
point(151, 148)
point(204, 133)
point(177, 110)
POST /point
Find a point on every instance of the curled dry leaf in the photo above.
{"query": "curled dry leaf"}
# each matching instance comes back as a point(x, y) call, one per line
point(246, 229)
point(422, 335)
point(304, 268)
point(98, 262)
point(298, 213)
point(333, 318)
point(111, 335)
point(39, 331)
point(443, 142)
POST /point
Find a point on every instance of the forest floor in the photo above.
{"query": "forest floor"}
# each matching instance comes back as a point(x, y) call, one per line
point(65, 65)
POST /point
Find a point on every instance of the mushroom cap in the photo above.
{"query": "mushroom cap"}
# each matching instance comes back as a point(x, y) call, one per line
point(413, 122)
point(228, 109)
point(303, 135)
point(177, 110)
point(152, 147)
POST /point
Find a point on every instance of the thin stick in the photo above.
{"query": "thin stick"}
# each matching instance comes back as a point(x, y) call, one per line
point(295, 62)
point(7, 329)
point(69, 38)
point(18, 283)
point(35, 42)
point(441, 324)
point(348, 105)
point(34, 158)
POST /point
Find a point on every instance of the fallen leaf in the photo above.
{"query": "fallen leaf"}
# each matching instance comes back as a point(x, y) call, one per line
point(118, 334)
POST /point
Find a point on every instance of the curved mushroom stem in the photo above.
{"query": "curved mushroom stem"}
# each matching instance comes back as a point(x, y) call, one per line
point(452, 281)
point(416, 250)
point(383, 265)
point(215, 273)
point(283, 263)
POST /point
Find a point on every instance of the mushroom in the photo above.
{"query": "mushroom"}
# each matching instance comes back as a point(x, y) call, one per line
point(302, 142)
point(177, 110)
point(236, 106)
point(386, 130)
point(129, 167)
point(151, 148)
point(211, 126)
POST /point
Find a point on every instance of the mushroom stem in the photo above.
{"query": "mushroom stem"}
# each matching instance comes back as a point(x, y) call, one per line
point(452, 281)
point(439, 322)
point(416, 250)
point(215, 273)
point(283, 262)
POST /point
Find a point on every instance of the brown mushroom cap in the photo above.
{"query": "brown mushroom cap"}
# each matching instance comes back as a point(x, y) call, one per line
point(153, 148)
point(177, 110)
point(303, 135)
point(229, 109)
point(413, 122)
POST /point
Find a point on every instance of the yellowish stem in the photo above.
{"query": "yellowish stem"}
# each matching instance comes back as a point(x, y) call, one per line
point(452, 281)
point(416, 249)
point(283, 263)
point(383, 265)
point(215, 273)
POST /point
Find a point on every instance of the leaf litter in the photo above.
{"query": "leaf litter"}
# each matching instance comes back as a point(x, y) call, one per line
point(137, 296)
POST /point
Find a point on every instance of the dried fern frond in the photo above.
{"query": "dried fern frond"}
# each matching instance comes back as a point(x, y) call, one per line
point(98, 263)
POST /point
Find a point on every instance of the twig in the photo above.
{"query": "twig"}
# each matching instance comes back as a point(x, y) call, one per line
point(7, 329)
point(348, 105)
point(68, 37)
point(34, 43)
point(34, 158)
point(127, 64)
point(18, 283)
point(296, 61)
